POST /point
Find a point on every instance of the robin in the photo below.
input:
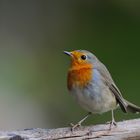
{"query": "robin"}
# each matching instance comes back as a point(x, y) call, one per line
point(92, 86)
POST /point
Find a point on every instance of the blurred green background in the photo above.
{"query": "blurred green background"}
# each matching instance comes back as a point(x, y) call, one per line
point(33, 69)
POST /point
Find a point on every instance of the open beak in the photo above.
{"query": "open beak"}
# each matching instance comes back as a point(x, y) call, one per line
point(67, 53)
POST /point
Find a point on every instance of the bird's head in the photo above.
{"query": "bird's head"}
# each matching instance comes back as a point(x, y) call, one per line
point(81, 57)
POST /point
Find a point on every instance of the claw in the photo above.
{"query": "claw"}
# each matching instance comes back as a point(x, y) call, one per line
point(112, 123)
point(71, 124)
point(74, 126)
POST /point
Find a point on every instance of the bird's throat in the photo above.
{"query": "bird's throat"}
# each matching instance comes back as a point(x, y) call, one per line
point(79, 76)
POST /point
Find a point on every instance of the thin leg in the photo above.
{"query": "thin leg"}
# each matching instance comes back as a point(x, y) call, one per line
point(113, 122)
point(80, 122)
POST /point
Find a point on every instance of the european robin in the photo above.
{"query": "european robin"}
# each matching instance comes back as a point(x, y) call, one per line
point(92, 86)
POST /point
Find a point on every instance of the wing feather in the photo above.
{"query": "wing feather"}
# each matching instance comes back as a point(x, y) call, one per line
point(106, 77)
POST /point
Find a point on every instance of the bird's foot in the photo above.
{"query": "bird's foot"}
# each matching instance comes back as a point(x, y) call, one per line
point(112, 123)
point(74, 126)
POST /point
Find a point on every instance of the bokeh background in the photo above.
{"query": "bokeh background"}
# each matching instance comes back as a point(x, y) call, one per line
point(33, 69)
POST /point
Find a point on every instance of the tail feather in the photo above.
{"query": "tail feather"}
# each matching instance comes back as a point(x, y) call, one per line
point(131, 107)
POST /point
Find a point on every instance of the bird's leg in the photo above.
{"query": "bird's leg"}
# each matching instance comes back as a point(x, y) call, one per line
point(80, 122)
point(113, 122)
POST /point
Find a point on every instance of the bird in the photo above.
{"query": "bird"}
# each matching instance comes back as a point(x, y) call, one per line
point(93, 88)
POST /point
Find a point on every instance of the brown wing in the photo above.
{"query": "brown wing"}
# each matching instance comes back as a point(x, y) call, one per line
point(106, 77)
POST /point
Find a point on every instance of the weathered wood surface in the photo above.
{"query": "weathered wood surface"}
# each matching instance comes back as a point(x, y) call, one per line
point(126, 130)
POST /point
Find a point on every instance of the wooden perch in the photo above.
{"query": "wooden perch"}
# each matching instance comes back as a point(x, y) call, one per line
point(126, 130)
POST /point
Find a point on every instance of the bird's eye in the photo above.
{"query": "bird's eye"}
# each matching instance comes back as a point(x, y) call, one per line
point(84, 57)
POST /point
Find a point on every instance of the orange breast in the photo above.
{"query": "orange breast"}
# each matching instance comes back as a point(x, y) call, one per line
point(79, 76)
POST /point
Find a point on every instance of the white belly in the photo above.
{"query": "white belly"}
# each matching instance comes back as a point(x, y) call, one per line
point(95, 98)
